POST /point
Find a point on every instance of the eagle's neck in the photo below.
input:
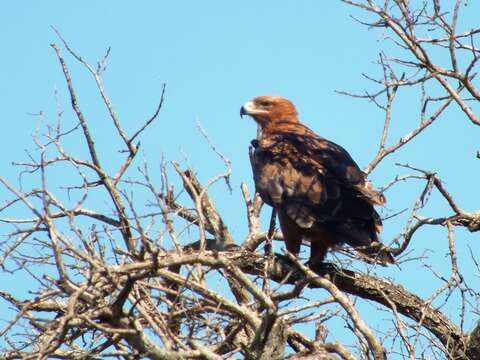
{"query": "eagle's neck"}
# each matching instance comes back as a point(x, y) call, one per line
point(293, 126)
point(259, 132)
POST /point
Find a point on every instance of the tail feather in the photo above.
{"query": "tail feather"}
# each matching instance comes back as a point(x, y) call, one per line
point(377, 253)
point(367, 244)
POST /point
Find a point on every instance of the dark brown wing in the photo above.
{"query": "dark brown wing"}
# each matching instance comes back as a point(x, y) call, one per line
point(338, 162)
point(318, 186)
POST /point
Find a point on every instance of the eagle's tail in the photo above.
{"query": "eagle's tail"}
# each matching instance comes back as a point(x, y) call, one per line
point(367, 244)
point(376, 253)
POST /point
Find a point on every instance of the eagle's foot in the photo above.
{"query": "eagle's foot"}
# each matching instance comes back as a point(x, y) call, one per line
point(322, 268)
point(319, 267)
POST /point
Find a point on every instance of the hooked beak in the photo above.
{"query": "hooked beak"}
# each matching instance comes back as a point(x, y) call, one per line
point(243, 111)
point(247, 109)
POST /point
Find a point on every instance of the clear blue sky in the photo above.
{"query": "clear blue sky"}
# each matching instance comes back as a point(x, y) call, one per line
point(213, 56)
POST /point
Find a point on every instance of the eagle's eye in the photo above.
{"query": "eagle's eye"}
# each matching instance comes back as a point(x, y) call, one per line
point(265, 103)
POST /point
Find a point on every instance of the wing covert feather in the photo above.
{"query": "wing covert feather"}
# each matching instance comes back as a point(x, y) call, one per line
point(285, 180)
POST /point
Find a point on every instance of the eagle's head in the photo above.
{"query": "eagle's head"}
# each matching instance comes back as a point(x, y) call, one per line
point(267, 110)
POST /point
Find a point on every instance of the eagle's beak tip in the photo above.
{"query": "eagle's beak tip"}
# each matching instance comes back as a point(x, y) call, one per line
point(243, 111)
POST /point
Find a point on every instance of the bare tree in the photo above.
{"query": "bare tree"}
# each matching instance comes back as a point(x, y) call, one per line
point(152, 270)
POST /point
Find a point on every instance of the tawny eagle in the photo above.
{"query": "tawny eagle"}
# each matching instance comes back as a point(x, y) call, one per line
point(320, 194)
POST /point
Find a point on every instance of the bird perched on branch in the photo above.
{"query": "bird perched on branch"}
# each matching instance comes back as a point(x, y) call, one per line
point(318, 191)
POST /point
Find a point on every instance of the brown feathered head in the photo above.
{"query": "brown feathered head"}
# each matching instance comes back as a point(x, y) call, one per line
point(267, 110)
